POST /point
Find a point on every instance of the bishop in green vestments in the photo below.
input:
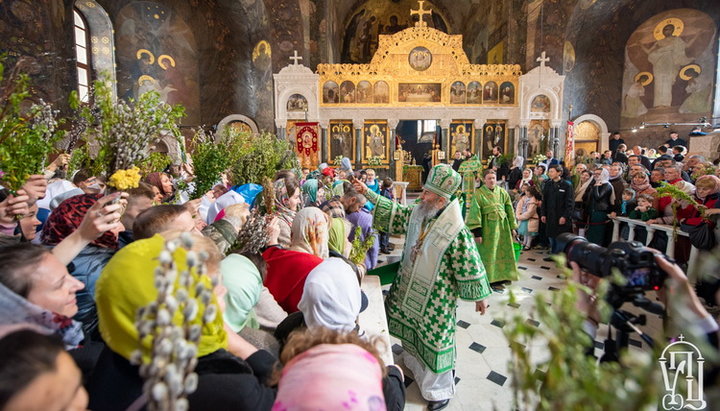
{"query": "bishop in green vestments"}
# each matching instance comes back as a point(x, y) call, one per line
point(492, 220)
point(440, 264)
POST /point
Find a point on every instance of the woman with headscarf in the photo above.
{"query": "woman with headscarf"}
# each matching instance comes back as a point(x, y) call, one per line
point(287, 201)
point(215, 212)
point(231, 373)
point(640, 182)
point(579, 211)
point(287, 269)
point(707, 194)
point(164, 184)
point(29, 292)
point(88, 263)
point(325, 369)
point(599, 201)
point(314, 193)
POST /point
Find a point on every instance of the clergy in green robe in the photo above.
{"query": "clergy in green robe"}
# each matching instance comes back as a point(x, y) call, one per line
point(492, 220)
point(440, 264)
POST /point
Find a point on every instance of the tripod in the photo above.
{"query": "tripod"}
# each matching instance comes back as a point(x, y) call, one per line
point(625, 323)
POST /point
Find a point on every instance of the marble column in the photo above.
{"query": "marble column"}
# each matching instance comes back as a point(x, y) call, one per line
point(478, 124)
point(392, 130)
point(324, 127)
point(445, 137)
point(523, 143)
point(358, 126)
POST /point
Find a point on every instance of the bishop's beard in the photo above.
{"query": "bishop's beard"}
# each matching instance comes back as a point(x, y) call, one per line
point(428, 209)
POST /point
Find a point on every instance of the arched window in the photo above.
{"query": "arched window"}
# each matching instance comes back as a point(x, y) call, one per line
point(82, 56)
point(94, 46)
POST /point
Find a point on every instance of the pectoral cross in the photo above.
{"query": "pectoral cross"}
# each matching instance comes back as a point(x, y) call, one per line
point(421, 13)
point(295, 58)
point(542, 59)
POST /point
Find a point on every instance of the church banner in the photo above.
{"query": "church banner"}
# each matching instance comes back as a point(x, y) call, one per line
point(307, 142)
point(376, 147)
point(461, 136)
point(570, 145)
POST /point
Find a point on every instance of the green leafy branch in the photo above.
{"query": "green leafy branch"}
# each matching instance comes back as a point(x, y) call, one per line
point(27, 134)
point(210, 160)
point(360, 247)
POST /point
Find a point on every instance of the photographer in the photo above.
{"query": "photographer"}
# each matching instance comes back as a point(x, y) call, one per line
point(677, 288)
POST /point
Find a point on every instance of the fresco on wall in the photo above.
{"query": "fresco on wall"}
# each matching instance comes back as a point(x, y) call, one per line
point(331, 92)
point(297, 102)
point(364, 92)
point(382, 93)
point(457, 93)
point(507, 93)
point(669, 68)
point(474, 92)
point(540, 104)
point(490, 92)
point(159, 49)
point(375, 17)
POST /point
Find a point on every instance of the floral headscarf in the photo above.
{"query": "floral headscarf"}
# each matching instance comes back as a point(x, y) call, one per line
point(310, 232)
point(15, 309)
point(281, 195)
point(66, 218)
point(639, 188)
point(712, 181)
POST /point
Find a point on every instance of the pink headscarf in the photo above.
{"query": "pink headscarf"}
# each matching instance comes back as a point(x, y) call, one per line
point(332, 377)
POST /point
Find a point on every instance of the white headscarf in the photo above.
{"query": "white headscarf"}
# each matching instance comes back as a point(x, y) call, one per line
point(518, 162)
point(224, 201)
point(331, 297)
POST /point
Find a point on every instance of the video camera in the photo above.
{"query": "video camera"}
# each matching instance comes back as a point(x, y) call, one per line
point(635, 262)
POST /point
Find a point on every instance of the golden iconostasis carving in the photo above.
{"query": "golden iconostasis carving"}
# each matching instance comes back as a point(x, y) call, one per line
point(418, 66)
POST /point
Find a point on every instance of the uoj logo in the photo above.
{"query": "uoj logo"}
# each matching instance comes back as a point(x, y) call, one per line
point(682, 369)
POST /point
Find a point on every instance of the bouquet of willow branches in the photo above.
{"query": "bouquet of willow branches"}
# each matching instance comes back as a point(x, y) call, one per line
point(253, 234)
point(360, 247)
point(118, 133)
point(210, 160)
point(27, 135)
point(168, 367)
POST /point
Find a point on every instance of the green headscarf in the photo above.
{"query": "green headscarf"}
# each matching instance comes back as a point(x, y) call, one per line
point(128, 283)
point(338, 235)
point(310, 189)
point(243, 282)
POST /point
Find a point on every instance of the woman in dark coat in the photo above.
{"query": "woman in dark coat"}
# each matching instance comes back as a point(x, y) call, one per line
point(599, 202)
point(557, 206)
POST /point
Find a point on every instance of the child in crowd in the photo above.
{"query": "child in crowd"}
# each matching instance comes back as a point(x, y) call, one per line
point(626, 206)
point(678, 153)
point(386, 191)
point(526, 214)
point(643, 211)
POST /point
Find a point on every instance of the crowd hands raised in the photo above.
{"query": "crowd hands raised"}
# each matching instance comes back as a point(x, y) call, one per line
point(77, 263)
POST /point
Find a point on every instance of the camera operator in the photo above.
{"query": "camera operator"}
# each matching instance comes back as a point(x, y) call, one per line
point(677, 288)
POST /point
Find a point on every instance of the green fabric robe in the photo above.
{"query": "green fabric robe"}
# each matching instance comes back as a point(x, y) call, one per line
point(422, 301)
point(492, 211)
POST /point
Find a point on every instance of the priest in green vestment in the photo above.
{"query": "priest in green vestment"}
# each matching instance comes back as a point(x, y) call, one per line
point(491, 219)
point(440, 264)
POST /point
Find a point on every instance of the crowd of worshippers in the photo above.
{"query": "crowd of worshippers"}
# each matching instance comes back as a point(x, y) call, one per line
point(78, 263)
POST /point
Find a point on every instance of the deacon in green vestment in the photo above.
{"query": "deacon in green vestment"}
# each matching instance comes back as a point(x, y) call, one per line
point(440, 264)
point(492, 221)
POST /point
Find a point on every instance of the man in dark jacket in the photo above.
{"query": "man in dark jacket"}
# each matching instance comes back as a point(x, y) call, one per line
point(557, 207)
point(616, 180)
point(615, 141)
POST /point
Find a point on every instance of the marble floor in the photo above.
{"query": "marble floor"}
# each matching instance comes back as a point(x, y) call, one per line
point(483, 381)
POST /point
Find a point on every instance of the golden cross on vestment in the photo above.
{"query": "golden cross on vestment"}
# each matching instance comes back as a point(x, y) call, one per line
point(295, 57)
point(421, 13)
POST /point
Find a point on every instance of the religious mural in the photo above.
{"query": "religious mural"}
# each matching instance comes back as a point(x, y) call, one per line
point(347, 92)
point(490, 92)
point(341, 140)
point(538, 133)
point(364, 93)
point(461, 136)
point(540, 104)
point(375, 141)
point(494, 134)
point(382, 93)
point(419, 92)
point(507, 93)
point(669, 68)
point(375, 17)
point(159, 50)
point(297, 102)
point(474, 92)
point(457, 93)
point(331, 92)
